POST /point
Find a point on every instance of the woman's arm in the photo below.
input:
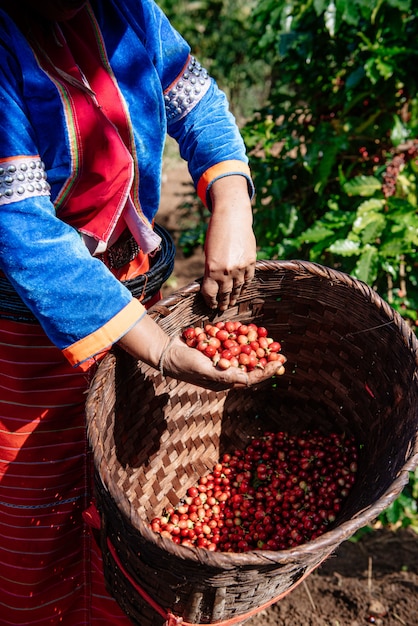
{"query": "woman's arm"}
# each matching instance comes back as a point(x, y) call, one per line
point(147, 342)
point(230, 247)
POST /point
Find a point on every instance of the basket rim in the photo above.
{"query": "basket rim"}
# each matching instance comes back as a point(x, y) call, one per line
point(332, 538)
point(167, 305)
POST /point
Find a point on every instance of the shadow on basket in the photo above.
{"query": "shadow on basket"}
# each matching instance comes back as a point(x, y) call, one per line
point(351, 368)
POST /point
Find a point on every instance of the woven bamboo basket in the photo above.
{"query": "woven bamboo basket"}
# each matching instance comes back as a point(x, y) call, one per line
point(352, 367)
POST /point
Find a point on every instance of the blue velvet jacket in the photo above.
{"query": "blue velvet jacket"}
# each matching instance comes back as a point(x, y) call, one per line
point(81, 306)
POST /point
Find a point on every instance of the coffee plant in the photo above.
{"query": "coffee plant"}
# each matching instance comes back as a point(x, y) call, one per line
point(334, 152)
point(221, 35)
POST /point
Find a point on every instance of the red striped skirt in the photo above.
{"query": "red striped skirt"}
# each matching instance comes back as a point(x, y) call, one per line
point(50, 566)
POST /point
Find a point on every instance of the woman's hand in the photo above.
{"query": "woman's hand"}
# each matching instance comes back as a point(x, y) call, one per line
point(230, 246)
point(147, 342)
point(188, 364)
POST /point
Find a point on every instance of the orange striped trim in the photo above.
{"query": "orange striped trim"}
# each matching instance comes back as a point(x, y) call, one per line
point(225, 168)
point(21, 157)
point(81, 352)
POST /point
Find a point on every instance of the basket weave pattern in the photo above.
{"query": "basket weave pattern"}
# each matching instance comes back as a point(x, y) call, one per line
point(352, 367)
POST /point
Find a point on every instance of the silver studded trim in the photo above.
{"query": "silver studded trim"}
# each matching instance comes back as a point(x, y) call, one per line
point(186, 92)
point(22, 178)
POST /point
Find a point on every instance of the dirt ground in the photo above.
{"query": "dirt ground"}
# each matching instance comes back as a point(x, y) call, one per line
point(373, 581)
point(175, 188)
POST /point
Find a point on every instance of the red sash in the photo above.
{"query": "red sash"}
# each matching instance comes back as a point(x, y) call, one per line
point(101, 142)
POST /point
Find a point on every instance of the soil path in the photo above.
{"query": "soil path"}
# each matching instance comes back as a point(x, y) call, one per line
point(373, 581)
point(176, 186)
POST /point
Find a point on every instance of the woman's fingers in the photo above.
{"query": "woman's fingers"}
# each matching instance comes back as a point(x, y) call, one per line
point(221, 292)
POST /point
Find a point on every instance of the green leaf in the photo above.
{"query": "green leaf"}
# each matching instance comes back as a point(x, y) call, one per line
point(331, 148)
point(354, 78)
point(402, 5)
point(367, 265)
point(345, 247)
point(384, 68)
point(318, 232)
point(394, 246)
point(349, 11)
point(362, 186)
point(400, 209)
point(320, 6)
point(374, 204)
point(370, 222)
point(399, 132)
point(369, 226)
point(371, 71)
point(393, 512)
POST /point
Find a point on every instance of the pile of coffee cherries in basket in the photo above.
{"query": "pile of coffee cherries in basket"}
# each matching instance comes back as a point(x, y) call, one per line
point(281, 491)
point(234, 344)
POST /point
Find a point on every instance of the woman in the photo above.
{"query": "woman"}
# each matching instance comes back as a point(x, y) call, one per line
point(88, 92)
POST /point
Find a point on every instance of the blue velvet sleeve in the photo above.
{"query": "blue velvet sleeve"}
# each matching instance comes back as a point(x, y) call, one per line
point(208, 134)
point(71, 293)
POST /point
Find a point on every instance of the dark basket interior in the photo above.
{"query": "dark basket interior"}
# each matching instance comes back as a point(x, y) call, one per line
point(352, 367)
